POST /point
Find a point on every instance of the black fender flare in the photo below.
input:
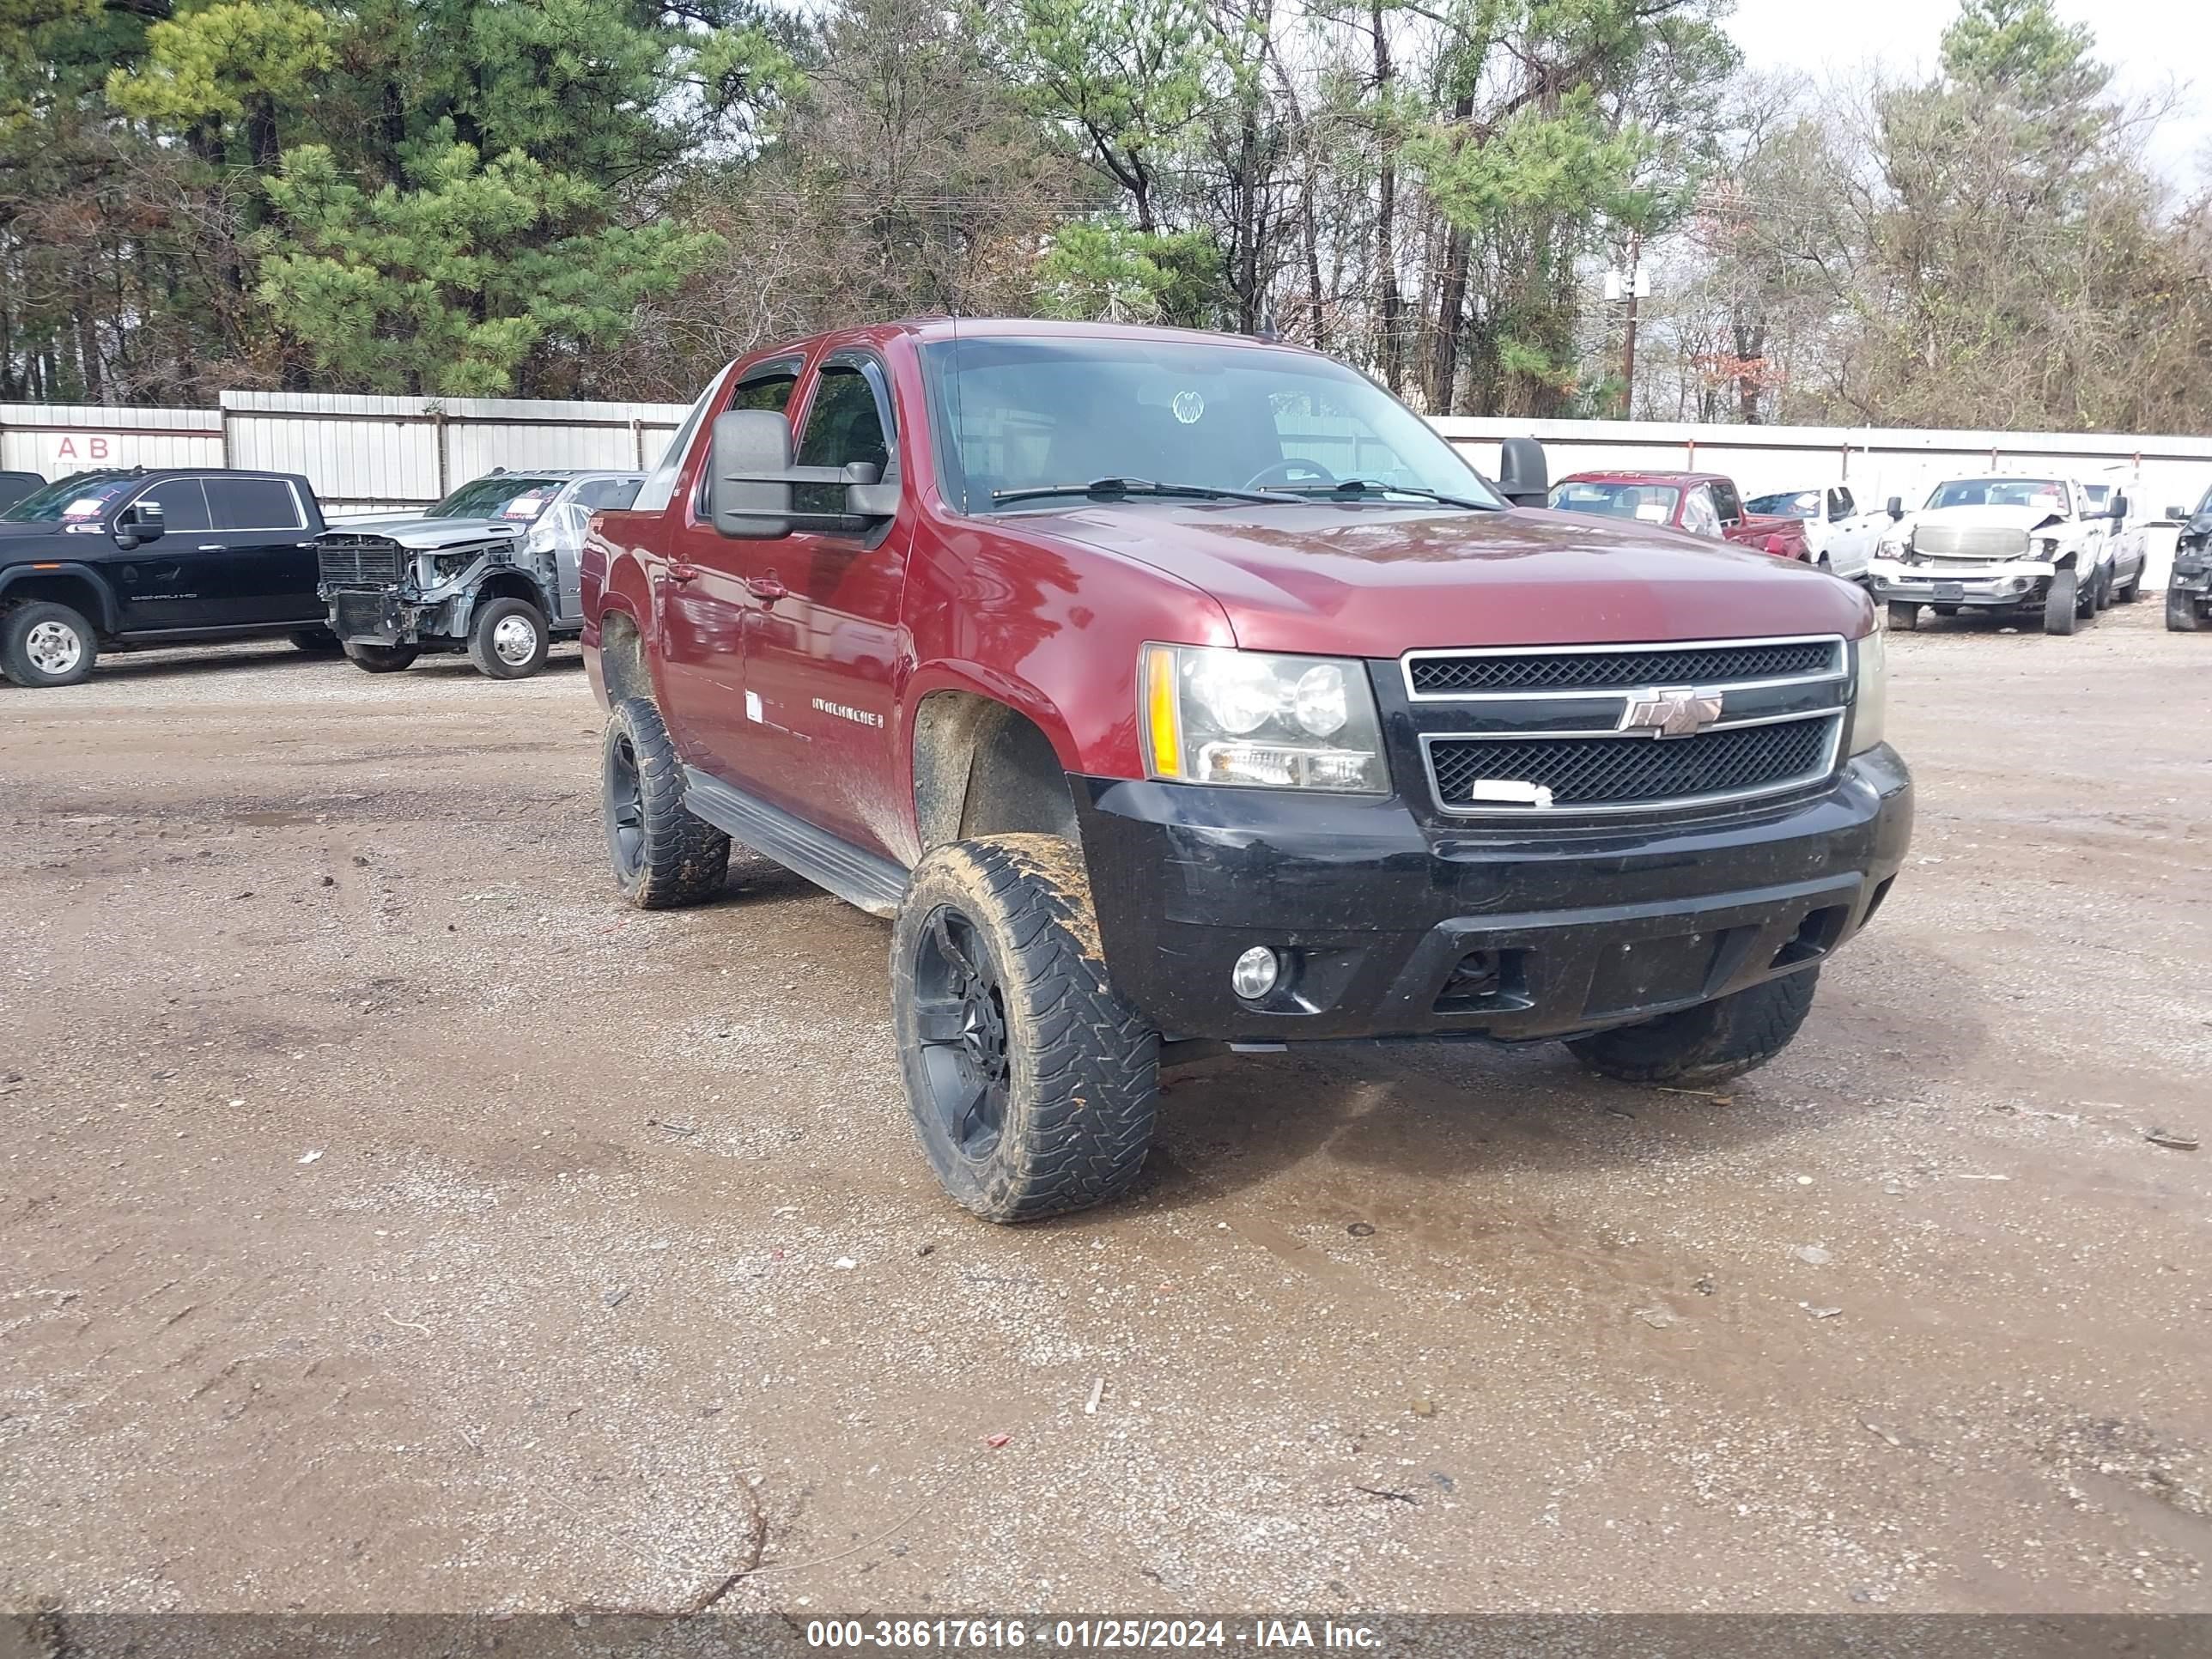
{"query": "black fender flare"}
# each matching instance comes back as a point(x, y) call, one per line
point(31, 571)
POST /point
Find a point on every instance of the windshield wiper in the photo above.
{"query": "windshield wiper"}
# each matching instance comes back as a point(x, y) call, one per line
point(1356, 488)
point(1115, 489)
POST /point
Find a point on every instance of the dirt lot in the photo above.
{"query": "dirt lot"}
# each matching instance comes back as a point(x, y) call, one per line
point(390, 1222)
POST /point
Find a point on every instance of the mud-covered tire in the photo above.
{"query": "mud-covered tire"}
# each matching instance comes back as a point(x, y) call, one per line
point(43, 645)
point(662, 855)
point(382, 659)
point(2061, 603)
point(1904, 616)
point(1708, 1043)
point(509, 638)
point(315, 642)
point(1032, 1085)
point(2182, 616)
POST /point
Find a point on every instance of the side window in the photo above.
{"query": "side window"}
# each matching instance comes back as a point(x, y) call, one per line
point(1727, 503)
point(1840, 504)
point(184, 504)
point(608, 495)
point(253, 504)
point(770, 391)
point(844, 424)
point(1699, 516)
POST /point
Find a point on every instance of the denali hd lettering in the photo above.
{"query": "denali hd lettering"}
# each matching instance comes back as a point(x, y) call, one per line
point(1225, 706)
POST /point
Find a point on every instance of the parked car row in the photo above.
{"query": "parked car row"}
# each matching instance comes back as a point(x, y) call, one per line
point(126, 560)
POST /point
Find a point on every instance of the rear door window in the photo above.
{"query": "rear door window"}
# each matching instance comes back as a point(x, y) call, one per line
point(183, 502)
point(246, 504)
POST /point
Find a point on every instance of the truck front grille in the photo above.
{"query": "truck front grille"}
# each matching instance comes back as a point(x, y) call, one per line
point(1951, 541)
point(1624, 728)
point(1470, 673)
point(1609, 771)
point(371, 559)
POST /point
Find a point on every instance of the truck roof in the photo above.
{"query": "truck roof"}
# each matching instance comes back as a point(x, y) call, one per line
point(1627, 477)
point(930, 330)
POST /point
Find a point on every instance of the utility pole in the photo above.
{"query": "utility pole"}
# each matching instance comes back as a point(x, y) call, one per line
point(1636, 286)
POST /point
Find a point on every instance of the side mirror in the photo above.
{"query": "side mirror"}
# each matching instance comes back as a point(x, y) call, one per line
point(2119, 507)
point(1896, 507)
point(143, 521)
point(867, 496)
point(2178, 515)
point(748, 486)
point(1523, 477)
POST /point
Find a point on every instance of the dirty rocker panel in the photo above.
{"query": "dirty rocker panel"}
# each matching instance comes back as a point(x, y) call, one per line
point(860, 878)
point(1401, 927)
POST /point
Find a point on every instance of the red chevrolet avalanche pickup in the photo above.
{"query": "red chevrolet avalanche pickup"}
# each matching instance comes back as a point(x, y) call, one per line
point(1172, 691)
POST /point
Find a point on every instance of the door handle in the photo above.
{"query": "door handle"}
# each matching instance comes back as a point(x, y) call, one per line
point(211, 547)
point(767, 589)
point(681, 574)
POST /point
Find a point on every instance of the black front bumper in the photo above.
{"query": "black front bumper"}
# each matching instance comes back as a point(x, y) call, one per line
point(1394, 928)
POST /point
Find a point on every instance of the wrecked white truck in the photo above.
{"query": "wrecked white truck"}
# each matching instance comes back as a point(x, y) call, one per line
point(490, 570)
point(2005, 545)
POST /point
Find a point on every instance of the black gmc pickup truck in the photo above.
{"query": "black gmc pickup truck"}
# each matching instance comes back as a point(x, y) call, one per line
point(119, 560)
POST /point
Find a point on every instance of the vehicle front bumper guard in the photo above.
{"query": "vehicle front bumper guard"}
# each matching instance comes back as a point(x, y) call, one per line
point(2015, 581)
point(1387, 928)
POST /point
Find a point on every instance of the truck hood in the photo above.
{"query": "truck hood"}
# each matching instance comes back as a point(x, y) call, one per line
point(422, 535)
point(1374, 581)
point(2022, 519)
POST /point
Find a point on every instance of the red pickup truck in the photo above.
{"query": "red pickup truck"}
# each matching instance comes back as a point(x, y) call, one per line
point(1172, 691)
point(1699, 503)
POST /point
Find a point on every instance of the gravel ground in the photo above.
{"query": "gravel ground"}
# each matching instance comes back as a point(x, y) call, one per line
point(390, 1221)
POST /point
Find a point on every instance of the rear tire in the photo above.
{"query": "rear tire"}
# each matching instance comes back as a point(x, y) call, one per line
point(663, 856)
point(1903, 614)
point(2062, 608)
point(43, 645)
point(2182, 616)
point(381, 659)
point(508, 640)
point(1033, 1086)
point(1708, 1043)
point(2100, 597)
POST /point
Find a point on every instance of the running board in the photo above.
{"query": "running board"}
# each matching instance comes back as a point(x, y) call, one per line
point(875, 884)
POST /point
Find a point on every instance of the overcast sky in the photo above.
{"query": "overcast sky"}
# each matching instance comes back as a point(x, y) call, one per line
point(2154, 45)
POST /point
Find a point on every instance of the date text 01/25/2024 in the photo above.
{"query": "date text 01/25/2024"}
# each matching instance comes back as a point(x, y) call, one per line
point(951, 1635)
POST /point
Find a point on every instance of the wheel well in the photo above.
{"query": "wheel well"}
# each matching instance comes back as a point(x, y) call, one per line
point(980, 768)
point(509, 585)
point(59, 587)
point(622, 656)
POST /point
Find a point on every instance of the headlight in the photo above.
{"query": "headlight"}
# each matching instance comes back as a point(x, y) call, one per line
point(1870, 694)
point(1213, 716)
point(1892, 547)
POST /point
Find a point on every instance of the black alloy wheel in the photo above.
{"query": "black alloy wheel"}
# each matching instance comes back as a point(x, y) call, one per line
point(960, 1009)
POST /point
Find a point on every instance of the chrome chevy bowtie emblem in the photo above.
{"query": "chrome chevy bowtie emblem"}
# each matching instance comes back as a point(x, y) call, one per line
point(1679, 711)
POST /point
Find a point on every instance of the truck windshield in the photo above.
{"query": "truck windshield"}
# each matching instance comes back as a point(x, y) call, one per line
point(2048, 494)
point(1646, 503)
point(73, 501)
point(1020, 415)
point(503, 495)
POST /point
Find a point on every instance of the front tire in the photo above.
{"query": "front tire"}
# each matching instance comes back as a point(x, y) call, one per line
point(1708, 1043)
point(43, 645)
point(381, 659)
point(663, 856)
point(508, 640)
point(2062, 608)
point(316, 642)
point(2182, 616)
point(1032, 1085)
point(1904, 616)
point(2132, 591)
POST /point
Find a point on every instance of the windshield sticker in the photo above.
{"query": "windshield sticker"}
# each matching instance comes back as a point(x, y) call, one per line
point(524, 507)
point(1188, 406)
point(84, 506)
point(1651, 513)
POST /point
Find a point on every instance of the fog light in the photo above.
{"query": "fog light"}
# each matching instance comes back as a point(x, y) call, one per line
point(1255, 973)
